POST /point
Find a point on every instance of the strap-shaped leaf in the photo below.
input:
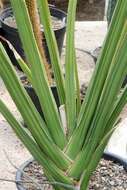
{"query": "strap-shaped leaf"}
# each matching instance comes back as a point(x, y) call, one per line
point(109, 129)
point(70, 61)
point(18, 58)
point(112, 85)
point(52, 47)
point(103, 112)
point(35, 123)
point(39, 78)
point(34, 149)
point(121, 102)
point(78, 98)
point(94, 161)
point(96, 85)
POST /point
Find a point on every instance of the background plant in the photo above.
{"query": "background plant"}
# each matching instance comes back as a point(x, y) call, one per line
point(111, 7)
point(68, 156)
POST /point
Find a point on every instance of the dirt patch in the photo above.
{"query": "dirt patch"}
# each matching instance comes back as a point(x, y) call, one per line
point(56, 22)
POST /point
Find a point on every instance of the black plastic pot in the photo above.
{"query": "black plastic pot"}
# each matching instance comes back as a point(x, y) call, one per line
point(35, 99)
point(106, 156)
point(11, 33)
point(9, 51)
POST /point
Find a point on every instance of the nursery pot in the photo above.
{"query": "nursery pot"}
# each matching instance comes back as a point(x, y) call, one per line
point(11, 33)
point(31, 92)
point(107, 156)
point(9, 51)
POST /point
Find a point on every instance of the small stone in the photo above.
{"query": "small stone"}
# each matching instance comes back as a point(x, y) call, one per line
point(112, 183)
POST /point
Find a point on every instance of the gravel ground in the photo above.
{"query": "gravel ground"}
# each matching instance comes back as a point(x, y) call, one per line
point(89, 35)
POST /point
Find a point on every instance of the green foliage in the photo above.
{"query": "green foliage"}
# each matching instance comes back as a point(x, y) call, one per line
point(111, 7)
point(67, 158)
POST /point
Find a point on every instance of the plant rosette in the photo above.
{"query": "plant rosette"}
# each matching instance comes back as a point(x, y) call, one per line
point(68, 144)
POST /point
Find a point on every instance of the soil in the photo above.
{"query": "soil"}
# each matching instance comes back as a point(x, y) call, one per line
point(108, 176)
point(56, 23)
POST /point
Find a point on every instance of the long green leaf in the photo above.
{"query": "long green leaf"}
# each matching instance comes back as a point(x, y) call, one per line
point(18, 58)
point(100, 149)
point(52, 47)
point(109, 129)
point(39, 78)
point(96, 85)
point(34, 149)
point(112, 85)
point(70, 60)
point(35, 123)
point(78, 98)
point(121, 102)
point(94, 161)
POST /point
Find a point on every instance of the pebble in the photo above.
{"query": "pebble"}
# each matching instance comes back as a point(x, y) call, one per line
point(108, 176)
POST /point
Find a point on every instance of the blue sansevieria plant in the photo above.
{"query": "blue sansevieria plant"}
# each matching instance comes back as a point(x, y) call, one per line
point(69, 154)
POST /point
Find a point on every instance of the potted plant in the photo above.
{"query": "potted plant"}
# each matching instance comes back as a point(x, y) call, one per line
point(9, 29)
point(70, 142)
